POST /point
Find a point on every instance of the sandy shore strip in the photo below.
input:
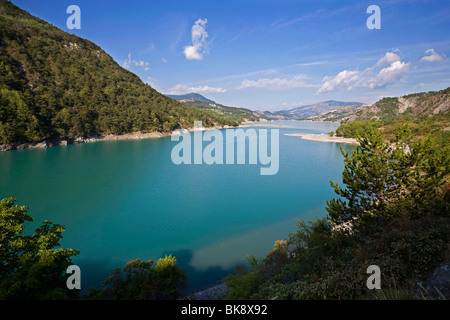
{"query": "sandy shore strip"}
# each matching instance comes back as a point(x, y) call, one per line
point(323, 138)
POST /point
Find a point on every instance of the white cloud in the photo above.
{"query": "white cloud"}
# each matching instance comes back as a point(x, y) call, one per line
point(344, 78)
point(182, 89)
point(128, 62)
point(276, 83)
point(420, 86)
point(388, 58)
point(372, 77)
point(307, 64)
point(191, 53)
point(152, 82)
point(389, 75)
point(199, 46)
point(141, 64)
point(288, 106)
point(432, 56)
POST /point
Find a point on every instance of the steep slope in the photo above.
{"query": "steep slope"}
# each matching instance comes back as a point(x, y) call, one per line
point(417, 105)
point(55, 85)
point(424, 114)
point(338, 115)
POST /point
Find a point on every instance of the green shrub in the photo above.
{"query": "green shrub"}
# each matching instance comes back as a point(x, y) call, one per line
point(140, 280)
point(355, 129)
point(32, 267)
point(243, 284)
point(321, 263)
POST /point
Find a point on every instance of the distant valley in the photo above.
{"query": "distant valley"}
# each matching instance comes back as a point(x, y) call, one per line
point(309, 112)
point(305, 112)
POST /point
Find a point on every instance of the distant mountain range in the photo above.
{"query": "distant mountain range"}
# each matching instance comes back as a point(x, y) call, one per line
point(198, 101)
point(304, 112)
point(190, 96)
point(415, 106)
point(423, 105)
point(339, 115)
point(299, 113)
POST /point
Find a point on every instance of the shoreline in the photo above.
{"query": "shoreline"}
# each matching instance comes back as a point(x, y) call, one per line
point(64, 142)
point(109, 137)
point(323, 138)
point(156, 134)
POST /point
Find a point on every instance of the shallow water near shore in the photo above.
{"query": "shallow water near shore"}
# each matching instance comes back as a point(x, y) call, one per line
point(122, 200)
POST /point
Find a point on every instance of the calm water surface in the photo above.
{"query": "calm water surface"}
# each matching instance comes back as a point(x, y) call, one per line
point(122, 200)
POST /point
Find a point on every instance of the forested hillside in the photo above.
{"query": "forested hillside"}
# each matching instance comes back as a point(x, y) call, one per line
point(421, 115)
point(55, 85)
point(418, 106)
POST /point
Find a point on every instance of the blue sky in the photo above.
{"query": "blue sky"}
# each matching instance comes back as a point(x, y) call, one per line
point(269, 55)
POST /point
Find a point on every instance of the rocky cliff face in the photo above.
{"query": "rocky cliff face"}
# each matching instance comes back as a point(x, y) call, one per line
point(417, 105)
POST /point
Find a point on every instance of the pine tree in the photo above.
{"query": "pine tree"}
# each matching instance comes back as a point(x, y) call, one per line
point(385, 180)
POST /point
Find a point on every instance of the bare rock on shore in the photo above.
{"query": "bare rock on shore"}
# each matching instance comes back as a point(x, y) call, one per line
point(212, 293)
point(75, 140)
point(437, 285)
point(22, 146)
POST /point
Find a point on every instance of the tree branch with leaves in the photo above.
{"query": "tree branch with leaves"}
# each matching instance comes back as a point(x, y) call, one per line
point(386, 179)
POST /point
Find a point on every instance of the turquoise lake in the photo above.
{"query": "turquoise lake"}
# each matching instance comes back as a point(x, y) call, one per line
point(122, 200)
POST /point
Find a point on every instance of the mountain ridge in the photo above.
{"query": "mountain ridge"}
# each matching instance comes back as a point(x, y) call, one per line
point(201, 102)
point(414, 105)
point(190, 96)
point(421, 104)
point(304, 112)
